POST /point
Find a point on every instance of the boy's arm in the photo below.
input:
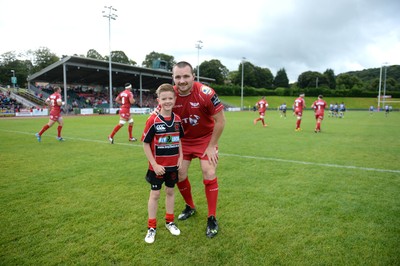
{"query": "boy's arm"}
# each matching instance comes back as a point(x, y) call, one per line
point(158, 169)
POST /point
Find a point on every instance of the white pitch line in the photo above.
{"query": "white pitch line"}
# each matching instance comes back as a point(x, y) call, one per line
point(312, 163)
point(240, 156)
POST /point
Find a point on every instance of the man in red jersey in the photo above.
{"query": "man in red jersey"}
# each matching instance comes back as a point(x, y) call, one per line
point(203, 121)
point(125, 99)
point(319, 108)
point(262, 107)
point(298, 106)
point(55, 102)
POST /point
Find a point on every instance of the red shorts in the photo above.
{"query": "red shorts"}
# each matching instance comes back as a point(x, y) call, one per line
point(299, 113)
point(319, 116)
point(55, 116)
point(197, 150)
point(125, 116)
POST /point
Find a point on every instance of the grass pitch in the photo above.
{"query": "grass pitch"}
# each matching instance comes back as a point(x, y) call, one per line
point(286, 197)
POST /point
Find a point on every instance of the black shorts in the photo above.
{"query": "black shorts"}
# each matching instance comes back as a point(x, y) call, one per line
point(156, 181)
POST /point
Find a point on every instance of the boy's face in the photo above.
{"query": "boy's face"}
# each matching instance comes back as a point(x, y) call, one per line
point(166, 99)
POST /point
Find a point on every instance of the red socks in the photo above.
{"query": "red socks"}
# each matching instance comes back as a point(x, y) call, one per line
point(59, 128)
point(115, 130)
point(45, 127)
point(152, 223)
point(169, 217)
point(211, 189)
point(186, 192)
point(130, 127)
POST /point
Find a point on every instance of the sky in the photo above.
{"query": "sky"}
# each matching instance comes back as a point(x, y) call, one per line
point(297, 35)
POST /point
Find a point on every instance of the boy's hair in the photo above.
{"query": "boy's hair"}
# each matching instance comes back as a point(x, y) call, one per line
point(164, 87)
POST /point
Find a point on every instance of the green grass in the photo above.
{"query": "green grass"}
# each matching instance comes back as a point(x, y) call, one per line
point(286, 197)
point(276, 101)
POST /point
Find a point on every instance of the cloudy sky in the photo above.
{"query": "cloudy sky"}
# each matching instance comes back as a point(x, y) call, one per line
point(298, 35)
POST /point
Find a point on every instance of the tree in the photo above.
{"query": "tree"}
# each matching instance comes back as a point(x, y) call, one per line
point(119, 57)
point(248, 74)
point(214, 69)
point(43, 57)
point(92, 53)
point(311, 79)
point(8, 58)
point(253, 76)
point(148, 61)
point(281, 79)
point(21, 68)
point(263, 77)
point(330, 78)
point(348, 81)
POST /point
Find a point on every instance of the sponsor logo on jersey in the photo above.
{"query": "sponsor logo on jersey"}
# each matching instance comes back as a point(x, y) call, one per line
point(169, 139)
point(194, 105)
point(193, 120)
point(215, 100)
point(160, 127)
point(206, 90)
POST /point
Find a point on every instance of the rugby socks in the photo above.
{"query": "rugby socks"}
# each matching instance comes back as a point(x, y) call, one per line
point(211, 189)
point(186, 192)
point(45, 127)
point(59, 128)
point(318, 125)
point(115, 130)
point(298, 123)
point(169, 217)
point(152, 223)
point(130, 127)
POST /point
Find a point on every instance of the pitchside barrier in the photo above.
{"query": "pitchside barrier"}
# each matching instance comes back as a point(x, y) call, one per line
point(90, 111)
point(77, 111)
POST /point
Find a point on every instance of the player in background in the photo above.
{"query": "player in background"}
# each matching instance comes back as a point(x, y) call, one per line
point(54, 102)
point(283, 109)
point(298, 106)
point(125, 99)
point(387, 109)
point(331, 110)
point(371, 110)
point(319, 109)
point(163, 149)
point(203, 120)
point(342, 109)
point(335, 110)
point(262, 107)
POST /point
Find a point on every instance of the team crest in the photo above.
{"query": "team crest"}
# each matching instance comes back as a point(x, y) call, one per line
point(206, 90)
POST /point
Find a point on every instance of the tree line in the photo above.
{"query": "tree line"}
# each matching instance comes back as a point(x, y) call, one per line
point(257, 80)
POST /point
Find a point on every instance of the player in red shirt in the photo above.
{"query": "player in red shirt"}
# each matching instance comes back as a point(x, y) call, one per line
point(125, 99)
point(298, 106)
point(203, 120)
point(262, 107)
point(55, 102)
point(162, 146)
point(319, 108)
